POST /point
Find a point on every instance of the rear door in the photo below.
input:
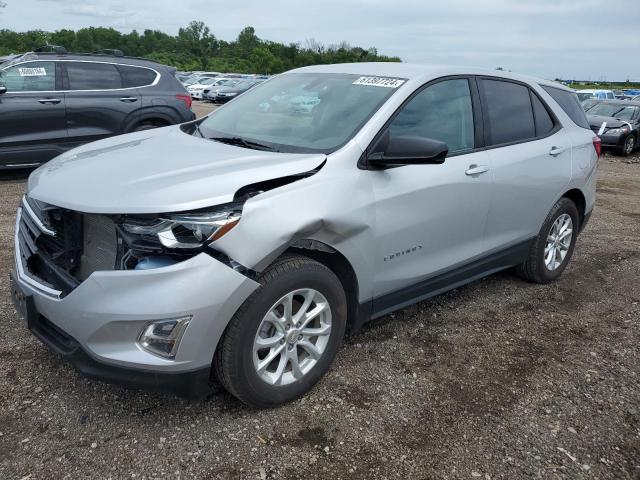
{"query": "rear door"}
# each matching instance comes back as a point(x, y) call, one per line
point(98, 104)
point(531, 160)
point(32, 114)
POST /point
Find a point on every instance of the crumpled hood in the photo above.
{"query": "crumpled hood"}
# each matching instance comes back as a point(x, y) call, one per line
point(595, 121)
point(156, 171)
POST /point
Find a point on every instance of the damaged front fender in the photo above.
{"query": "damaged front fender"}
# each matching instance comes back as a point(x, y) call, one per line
point(334, 207)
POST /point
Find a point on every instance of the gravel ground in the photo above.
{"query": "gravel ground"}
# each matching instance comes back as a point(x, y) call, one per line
point(499, 379)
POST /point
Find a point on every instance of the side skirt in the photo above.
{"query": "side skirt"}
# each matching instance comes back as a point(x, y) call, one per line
point(442, 282)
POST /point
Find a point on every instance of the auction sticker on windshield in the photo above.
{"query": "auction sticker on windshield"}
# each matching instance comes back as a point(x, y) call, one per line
point(379, 82)
point(32, 72)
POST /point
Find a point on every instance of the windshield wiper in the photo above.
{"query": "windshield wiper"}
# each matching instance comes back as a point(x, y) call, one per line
point(241, 142)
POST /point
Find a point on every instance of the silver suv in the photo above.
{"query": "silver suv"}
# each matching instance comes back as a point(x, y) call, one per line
point(239, 248)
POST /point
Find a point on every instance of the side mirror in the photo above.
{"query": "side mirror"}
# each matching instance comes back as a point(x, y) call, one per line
point(407, 150)
point(3, 89)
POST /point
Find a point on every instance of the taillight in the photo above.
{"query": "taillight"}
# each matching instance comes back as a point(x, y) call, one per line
point(597, 145)
point(186, 99)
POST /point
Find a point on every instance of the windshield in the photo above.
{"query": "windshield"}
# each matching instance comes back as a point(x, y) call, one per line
point(202, 81)
point(302, 112)
point(620, 112)
point(206, 81)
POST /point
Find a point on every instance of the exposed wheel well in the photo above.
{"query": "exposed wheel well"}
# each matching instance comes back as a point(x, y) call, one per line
point(339, 265)
point(577, 197)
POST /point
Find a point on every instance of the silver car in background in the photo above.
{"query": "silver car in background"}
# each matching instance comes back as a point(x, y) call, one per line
point(239, 248)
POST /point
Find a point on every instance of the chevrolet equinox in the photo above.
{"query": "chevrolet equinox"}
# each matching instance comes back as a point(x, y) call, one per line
point(237, 249)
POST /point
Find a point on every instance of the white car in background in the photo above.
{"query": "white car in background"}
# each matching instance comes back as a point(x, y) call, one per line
point(196, 89)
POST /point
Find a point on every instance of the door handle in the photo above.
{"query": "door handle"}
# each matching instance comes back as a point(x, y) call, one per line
point(555, 151)
point(476, 169)
point(128, 99)
point(53, 101)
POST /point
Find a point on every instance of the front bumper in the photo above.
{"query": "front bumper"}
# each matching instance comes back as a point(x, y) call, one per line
point(103, 316)
point(612, 140)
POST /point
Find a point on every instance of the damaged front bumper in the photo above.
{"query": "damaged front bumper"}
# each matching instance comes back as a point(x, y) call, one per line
point(97, 325)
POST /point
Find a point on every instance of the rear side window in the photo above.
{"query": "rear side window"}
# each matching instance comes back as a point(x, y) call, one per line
point(510, 113)
point(443, 112)
point(136, 76)
point(30, 77)
point(569, 102)
point(93, 76)
point(544, 122)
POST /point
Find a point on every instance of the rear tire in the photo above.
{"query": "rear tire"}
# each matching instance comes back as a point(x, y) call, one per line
point(551, 250)
point(262, 329)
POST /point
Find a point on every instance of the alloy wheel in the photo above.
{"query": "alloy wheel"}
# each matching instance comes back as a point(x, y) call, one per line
point(558, 242)
point(629, 143)
point(292, 337)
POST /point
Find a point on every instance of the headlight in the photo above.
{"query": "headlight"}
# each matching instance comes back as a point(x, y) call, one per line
point(187, 230)
point(617, 131)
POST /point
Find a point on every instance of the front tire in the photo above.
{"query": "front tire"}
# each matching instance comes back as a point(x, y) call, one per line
point(628, 146)
point(554, 245)
point(284, 337)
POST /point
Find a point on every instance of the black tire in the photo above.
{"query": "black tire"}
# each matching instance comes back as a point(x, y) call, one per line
point(628, 146)
point(233, 361)
point(534, 268)
point(145, 126)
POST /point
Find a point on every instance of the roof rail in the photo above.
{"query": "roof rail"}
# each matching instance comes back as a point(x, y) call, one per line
point(109, 51)
point(51, 48)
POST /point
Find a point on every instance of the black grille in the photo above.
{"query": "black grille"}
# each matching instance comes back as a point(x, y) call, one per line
point(59, 248)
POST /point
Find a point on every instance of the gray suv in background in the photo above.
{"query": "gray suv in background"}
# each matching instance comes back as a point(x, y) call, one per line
point(52, 102)
point(239, 248)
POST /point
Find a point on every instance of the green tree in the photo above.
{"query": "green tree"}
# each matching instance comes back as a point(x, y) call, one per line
point(195, 48)
point(197, 40)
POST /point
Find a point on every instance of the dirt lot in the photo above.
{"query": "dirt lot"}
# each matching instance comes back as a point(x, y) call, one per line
point(499, 379)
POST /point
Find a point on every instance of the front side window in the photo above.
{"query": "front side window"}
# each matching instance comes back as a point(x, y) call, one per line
point(302, 112)
point(509, 110)
point(93, 76)
point(30, 77)
point(441, 112)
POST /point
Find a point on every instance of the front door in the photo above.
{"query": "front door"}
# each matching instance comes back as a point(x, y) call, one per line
point(431, 218)
point(32, 115)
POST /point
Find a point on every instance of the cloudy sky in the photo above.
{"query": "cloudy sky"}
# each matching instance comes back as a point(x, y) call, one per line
point(588, 39)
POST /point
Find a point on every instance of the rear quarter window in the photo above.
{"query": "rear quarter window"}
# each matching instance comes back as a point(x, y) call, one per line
point(569, 102)
point(136, 76)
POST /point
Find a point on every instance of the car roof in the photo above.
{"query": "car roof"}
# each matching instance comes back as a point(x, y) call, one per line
point(415, 71)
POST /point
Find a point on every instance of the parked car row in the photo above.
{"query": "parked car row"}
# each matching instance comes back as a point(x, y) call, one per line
point(602, 94)
point(51, 102)
point(218, 87)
